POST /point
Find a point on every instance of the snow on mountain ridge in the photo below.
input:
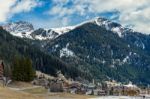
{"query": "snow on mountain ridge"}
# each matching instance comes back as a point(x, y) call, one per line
point(26, 30)
point(110, 25)
point(18, 27)
point(63, 30)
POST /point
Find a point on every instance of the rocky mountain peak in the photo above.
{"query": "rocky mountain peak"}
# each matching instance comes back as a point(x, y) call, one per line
point(19, 27)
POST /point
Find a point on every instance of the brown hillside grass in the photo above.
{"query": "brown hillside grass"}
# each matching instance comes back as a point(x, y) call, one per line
point(35, 93)
point(6, 93)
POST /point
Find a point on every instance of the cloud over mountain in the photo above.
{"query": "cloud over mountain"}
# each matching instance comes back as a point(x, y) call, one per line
point(131, 12)
point(58, 13)
point(11, 7)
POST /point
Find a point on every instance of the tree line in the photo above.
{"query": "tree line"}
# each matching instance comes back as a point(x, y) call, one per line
point(22, 69)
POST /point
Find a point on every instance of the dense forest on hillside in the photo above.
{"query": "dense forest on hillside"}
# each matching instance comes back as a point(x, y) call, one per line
point(87, 52)
point(11, 46)
point(102, 54)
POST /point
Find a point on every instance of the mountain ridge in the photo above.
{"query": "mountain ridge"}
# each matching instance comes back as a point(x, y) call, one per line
point(26, 30)
point(100, 49)
point(103, 54)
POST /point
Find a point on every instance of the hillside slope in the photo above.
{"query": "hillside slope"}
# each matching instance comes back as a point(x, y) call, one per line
point(102, 54)
point(11, 46)
point(96, 49)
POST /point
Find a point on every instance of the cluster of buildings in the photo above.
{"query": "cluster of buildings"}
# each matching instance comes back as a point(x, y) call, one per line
point(80, 86)
point(115, 88)
point(61, 84)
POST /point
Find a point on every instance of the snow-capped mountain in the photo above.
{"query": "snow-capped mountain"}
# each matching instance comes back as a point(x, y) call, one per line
point(49, 34)
point(111, 26)
point(98, 48)
point(20, 28)
point(44, 34)
point(63, 30)
point(105, 50)
point(26, 30)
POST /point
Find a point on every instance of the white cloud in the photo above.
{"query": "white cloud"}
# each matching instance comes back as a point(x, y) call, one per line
point(62, 11)
point(132, 12)
point(10, 7)
point(5, 6)
point(135, 12)
point(51, 22)
point(24, 6)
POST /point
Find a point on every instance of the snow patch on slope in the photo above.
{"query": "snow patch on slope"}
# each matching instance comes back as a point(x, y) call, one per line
point(44, 34)
point(118, 31)
point(63, 30)
point(66, 52)
point(22, 35)
point(109, 25)
point(125, 59)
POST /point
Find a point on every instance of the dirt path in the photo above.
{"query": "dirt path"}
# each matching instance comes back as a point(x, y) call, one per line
point(25, 88)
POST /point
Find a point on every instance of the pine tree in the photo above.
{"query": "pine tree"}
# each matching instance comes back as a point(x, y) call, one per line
point(23, 70)
point(15, 69)
point(30, 72)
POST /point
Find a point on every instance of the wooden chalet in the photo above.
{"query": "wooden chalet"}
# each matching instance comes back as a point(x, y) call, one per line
point(56, 85)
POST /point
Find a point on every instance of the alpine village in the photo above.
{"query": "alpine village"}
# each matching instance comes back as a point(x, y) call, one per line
point(21, 69)
point(74, 49)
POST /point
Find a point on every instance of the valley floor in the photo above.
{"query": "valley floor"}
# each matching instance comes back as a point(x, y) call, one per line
point(21, 90)
point(34, 92)
point(6, 93)
point(120, 97)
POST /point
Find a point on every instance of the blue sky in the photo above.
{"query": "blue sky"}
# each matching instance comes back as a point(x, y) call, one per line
point(59, 13)
point(41, 17)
